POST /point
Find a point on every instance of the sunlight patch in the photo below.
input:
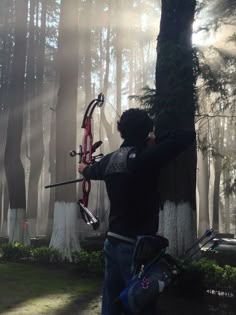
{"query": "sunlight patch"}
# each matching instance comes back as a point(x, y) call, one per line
point(49, 304)
point(54, 304)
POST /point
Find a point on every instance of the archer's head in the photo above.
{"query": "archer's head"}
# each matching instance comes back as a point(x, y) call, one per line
point(135, 125)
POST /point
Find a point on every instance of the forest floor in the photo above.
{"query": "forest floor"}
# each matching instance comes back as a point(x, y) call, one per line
point(28, 289)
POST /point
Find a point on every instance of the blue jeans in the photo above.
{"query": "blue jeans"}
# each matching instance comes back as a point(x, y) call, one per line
point(118, 262)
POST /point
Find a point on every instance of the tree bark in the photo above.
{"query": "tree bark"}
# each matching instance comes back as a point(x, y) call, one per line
point(15, 175)
point(118, 54)
point(5, 60)
point(203, 180)
point(174, 108)
point(218, 148)
point(108, 126)
point(65, 234)
point(52, 171)
point(34, 88)
point(226, 222)
point(87, 60)
point(40, 102)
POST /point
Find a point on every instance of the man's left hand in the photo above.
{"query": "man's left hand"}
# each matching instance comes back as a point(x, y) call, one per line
point(81, 167)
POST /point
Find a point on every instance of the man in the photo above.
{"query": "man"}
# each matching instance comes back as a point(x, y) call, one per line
point(131, 175)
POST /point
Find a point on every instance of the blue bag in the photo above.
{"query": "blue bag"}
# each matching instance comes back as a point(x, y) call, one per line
point(149, 277)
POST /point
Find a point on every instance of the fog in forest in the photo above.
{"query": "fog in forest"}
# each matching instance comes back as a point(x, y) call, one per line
point(110, 47)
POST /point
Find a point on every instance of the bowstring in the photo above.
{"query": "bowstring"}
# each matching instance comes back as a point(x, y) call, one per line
point(98, 188)
point(112, 106)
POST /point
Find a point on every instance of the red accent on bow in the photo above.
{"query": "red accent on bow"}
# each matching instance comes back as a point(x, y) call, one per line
point(86, 155)
point(87, 158)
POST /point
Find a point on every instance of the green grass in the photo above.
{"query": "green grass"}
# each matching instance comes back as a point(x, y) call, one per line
point(28, 289)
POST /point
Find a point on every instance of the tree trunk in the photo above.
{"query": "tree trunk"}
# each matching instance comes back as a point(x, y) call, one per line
point(40, 60)
point(203, 181)
point(108, 126)
point(101, 58)
point(6, 49)
point(88, 61)
point(65, 234)
point(5, 60)
point(234, 214)
point(226, 227)
point(174, 108)
point(218, 150)
point(35, 113)
point(216, 194)
point(18, 228)
point(118, 54)
point(131, 73)
point(52, 167)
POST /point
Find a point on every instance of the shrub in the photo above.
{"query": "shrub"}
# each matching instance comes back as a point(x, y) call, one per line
point(96, 264)
point(15, 251)
point(191, 281)
point(46, 255)
point(86, 262)
point(213, 276)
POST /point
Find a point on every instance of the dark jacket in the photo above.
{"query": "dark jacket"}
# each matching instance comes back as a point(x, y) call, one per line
point(131, 177)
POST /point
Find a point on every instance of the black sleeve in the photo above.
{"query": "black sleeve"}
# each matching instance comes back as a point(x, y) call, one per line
point(166, 149)
point(97, 170)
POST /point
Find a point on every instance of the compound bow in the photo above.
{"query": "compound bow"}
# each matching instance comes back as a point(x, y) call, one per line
point(86, 156)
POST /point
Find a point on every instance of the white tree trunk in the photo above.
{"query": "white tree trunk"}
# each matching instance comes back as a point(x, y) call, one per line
point(65, 235)
point(32, 227)
point(18, 228)
point(177, 224)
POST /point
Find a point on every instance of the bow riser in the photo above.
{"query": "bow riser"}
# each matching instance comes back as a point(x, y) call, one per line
point(87, 143)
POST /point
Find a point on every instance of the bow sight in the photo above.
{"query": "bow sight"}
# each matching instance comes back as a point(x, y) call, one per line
point(80, 153)
point(86, 156)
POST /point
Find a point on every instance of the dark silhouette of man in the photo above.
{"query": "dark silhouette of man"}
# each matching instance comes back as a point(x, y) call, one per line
point(131, 177)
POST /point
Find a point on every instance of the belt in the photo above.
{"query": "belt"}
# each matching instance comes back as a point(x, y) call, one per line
point(121, 238)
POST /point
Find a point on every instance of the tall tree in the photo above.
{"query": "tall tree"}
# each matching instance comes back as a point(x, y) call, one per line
point(174, 108)
point(35, 61)
point(65, 234)
point(203, 178)
point(217, 156)
point(108, 126)
point(6, 53)
point(87, 51)
point(51, 87)
point(40, 67)
point(119, 53)
point(18, 229)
